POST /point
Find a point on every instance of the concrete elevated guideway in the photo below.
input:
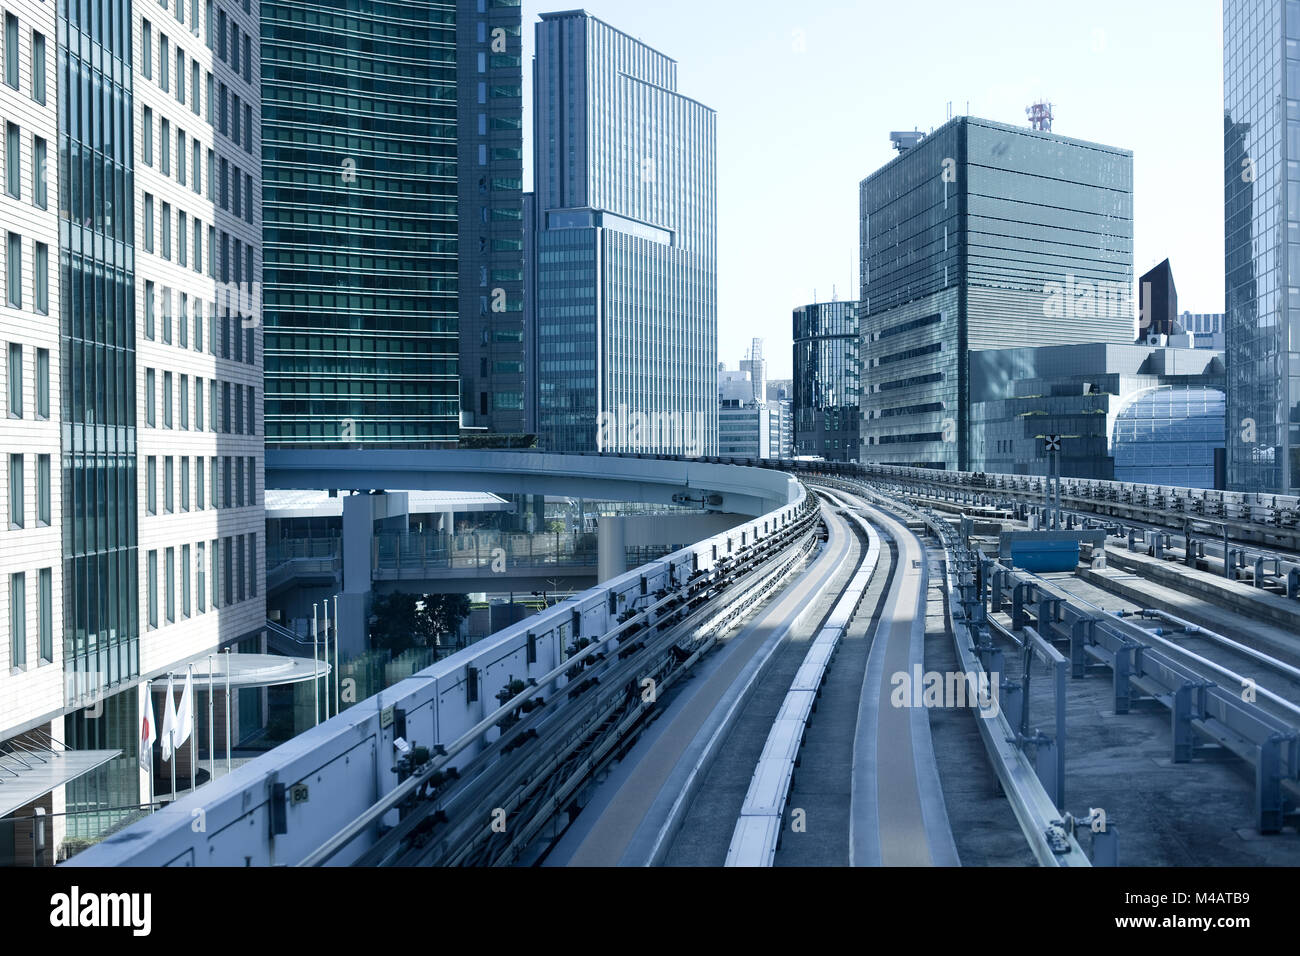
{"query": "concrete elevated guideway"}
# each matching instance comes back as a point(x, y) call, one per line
point(346, 775)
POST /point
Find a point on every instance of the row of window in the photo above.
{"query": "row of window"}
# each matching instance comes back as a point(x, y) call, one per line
point(225, 481)
point(14, 166)
point(14, 274)
point(241, 412)
point(235, 259)
point(224, 108)
point(18, 618)
point(17, 405)
point(18, 491)
point(219, 573)
point(225, 319)
point(37, 45)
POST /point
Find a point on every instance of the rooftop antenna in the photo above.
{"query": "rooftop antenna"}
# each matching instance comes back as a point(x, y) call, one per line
point(1040, 116)
point(950, 109)
point(834, 295)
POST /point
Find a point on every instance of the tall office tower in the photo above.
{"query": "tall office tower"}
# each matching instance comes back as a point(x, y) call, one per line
point(626, 246)
point(1261, 140)
point(826, 381)
point(982, 236)
point(360, 225)
point(491, 173)
point(133, 472)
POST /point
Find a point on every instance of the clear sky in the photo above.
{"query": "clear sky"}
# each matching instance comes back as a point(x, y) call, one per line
point(807, 94)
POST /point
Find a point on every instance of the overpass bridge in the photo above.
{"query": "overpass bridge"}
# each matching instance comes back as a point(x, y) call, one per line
point(572, 736)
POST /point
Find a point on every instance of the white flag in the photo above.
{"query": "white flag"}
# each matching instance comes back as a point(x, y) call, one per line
point(169, 722)
point(185, 710)
point(148, 731)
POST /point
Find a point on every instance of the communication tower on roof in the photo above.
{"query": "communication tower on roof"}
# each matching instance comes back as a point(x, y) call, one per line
point(1040, 116)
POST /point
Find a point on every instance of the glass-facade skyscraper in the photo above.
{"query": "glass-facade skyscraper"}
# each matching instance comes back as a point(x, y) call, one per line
point(826, 380)
point(359, 123)
point(491, 215)
point(982, 236)
point(1261, 140)
point(625, 299)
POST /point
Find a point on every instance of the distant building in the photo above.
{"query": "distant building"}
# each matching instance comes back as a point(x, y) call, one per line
point(826, 381)
point(625, 306)
point(964, 248)
point(749, 424)
point(1158, 304)
point(1126, 412)
point(1204, 329)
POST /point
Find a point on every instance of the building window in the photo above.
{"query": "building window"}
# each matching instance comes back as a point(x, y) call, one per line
point(164, 63)
point(239, 482)
point(169, 478)
point(214, 567)
point(252, 481)
point(185, 483)
point(43, 490)
point(149, 379)
point(212, 483)
point(252, 399)
point(45, 621)
point(153, 588)
point(183, 400)
point(148, 303)
point(226, 489)
point(200, 570)
point(38, 67)
point(227, 573)
point(180, 72)
point(148, 229)
point(43, 383)
point(13, 169)
point(17, 491)
point(165, 148)
point(194, 92)
point(18, 620)
point(167, 398)
point(169, 582)
point(15, 270)
point(40, 198)
point(42, 278)
point(252, 564)
point(146, 30)
point(11, 50)
point(180, 159)
point(146, 137)
point(198, 484)
point(185, 575)
point(151, 485)
point(15, 380)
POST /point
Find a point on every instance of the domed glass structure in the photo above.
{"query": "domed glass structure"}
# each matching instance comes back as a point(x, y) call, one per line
point(1167, 436)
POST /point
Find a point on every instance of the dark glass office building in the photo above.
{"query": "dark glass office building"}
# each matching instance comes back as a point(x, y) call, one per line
point(1261, 139)
point(826, 413)
point(101, 627)
point(982, 236)
point(491, 158)
point(359, 122)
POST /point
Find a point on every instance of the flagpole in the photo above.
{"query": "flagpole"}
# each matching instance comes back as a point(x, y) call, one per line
point(148, 695)
point(171, 737)
point(315, 668)
point(194, 727)
point(338, 701)
point(325, 655)
point(212, 739)
point(227, 710)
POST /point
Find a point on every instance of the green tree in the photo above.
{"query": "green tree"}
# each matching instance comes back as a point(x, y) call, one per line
point(401, 621)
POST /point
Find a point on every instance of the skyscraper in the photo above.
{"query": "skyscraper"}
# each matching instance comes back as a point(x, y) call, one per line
point(132, 475)
point(826, 380)
point(491, 172)
point(982, 236)
point(626, 246)
point(360, 223)
point(1261, 141)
